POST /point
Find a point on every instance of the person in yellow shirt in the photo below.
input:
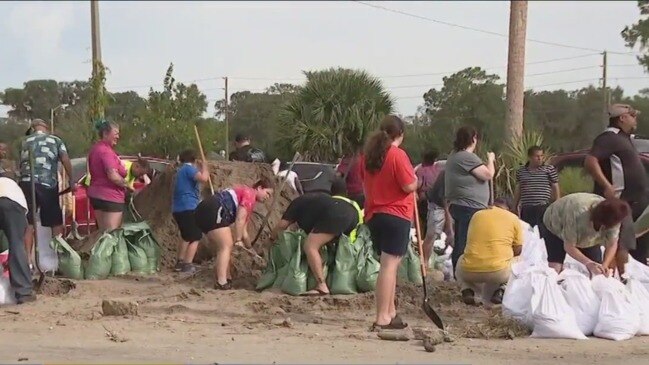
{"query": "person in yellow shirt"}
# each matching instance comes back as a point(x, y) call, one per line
point(495, 236)
point(134, 170)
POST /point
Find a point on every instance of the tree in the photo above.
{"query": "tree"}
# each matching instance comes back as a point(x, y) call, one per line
point(332, 114)
point(638, 34)
point(468, 97)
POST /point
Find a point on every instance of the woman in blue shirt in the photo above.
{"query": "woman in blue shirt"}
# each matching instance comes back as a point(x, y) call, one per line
point(185, 200)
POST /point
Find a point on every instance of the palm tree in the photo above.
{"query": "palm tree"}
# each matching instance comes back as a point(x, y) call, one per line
point(333, 113)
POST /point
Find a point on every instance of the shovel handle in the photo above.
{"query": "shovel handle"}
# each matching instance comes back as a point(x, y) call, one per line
point(419, 241)
point(200, 149)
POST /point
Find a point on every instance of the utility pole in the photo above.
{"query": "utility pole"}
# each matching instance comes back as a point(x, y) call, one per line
point(96, 39)
point(605, 88)
point(516, 69)
point(227, 120)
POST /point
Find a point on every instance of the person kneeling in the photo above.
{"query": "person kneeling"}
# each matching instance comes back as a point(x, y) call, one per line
point(324, 218)
point(579, 224)
point(215, 214)
point(495, 236)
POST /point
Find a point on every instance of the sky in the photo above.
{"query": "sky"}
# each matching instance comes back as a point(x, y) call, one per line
point(257, 44)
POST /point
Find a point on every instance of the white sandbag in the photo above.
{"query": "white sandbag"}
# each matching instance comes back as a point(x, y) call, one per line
point(552, 316)
point(519, 299)
point(48, 259)
point(640, 297)
point(619, 317)
point(581, 297)
point(534, 252)
point(571, 264)
point(7, 294)
point(640, 271)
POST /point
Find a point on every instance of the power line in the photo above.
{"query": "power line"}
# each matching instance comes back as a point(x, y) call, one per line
point(480, 30)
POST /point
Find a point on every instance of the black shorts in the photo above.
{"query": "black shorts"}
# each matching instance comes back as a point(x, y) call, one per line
point(47, 200)
point(339, 218)
point(186, 222)
point(533, 214)
point(107, 206)
point(210, 215)
point(556, 252)
point(390, 234)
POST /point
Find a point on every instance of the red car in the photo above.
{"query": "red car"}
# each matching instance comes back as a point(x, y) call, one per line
point(85, 215)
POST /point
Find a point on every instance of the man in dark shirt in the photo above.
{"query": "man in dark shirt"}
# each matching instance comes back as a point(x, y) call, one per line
point(616, 167)
point(245, 151)
point(439, 218)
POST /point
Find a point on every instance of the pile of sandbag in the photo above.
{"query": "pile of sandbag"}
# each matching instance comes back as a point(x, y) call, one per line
point(571, 305)
point(351, 268)
point(131, 248)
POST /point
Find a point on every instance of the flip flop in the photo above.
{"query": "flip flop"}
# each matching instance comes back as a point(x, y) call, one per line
point(315, 293)
point(390, 326)
point(398, 321)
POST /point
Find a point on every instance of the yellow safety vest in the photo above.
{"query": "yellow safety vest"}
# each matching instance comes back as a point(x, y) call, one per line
point(352, 234)
point(130, 179)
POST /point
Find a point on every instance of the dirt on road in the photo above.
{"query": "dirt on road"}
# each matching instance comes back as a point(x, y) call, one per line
point(176, 319)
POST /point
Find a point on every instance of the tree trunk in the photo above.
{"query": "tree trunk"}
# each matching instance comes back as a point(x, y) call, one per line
point(516, 69)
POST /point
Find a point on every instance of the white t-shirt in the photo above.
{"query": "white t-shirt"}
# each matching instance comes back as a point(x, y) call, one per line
point(9, 189)
point(292, 178)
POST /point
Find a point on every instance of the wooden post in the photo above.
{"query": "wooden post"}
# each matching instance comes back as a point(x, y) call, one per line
point(605, 92)
point(227, 120)
point(516, 70)
point(96, 39)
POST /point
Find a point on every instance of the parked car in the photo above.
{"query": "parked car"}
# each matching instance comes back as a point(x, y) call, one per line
point(576, 158)
point(85, 215)
point(314, 176)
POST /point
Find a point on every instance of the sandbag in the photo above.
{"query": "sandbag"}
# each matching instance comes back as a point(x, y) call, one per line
point(534, 252)
point(7, 294)
point(139, 234)
point(519, 299)
point(295, 282)
point(48, 261)
point(286, 247)
point(137, 258)
point(368, 265)
point(552, 317)
point(345, 270)
point(581, 297)
point(269, 275)
point(69, 260)
point(100, 262)
point(619, 317)
point(120, 264)
point(640, 297)
point(414, 266)
point(640, 271)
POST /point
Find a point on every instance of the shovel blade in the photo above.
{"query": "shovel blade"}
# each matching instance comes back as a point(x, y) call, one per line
point(430, 313)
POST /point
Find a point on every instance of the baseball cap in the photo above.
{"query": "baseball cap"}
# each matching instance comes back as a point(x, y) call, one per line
point(36, 123)
point(616, 110)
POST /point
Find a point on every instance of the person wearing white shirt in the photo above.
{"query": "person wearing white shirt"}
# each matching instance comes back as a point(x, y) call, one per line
point(13, 222)
point(292, 178)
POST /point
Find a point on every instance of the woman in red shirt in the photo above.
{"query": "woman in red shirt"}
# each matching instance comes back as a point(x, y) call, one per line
point(389, 182)
point(216, 214)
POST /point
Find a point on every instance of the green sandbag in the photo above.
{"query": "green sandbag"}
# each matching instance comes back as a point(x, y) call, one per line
point(345, 269)
point(140, 235)
point(137, 258)
point(69, 260)
point(120, 263)
point(311, 281)
point(99, 265)
point(368, 267)
point(269, 276)
point(152, 251)
point(414, 266)
point(286, 245)
point(296, 276)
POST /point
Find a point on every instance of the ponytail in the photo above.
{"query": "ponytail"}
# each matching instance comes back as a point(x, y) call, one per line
point(375, 150)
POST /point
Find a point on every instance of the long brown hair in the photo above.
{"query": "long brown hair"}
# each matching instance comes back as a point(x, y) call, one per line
point(379, 142)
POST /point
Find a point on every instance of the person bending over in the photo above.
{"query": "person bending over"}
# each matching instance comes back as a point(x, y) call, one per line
point(216, 214)
point(579, 224)
point(324, 218)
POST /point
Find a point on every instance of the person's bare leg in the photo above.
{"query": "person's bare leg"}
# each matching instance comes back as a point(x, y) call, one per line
point(99, 219)
point(182, 250)
point(112, 220)
point(29, 242)
point(190, 252)
point(315, 241)
point(385, 288)
point(222, 238)
point(57, 230)
point(393, 303)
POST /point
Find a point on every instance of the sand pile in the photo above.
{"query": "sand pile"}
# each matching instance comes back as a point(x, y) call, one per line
point(154, 204)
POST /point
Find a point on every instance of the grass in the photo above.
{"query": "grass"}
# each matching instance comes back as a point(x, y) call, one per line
point(575, 180)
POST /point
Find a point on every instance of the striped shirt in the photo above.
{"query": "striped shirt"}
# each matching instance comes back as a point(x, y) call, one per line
point(536, 184)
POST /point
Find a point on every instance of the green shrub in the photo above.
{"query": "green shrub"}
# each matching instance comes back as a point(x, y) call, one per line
point(575, 180)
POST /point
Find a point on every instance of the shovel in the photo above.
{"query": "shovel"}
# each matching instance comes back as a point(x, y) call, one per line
point(32, 184)
point(74, 228)
point(426, 305)
point(200, 148)
point(276, 196)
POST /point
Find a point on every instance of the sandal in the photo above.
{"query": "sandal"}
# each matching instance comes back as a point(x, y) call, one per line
point(315, 293)
point(226, 286)
point(398, 321)
point(390, 326)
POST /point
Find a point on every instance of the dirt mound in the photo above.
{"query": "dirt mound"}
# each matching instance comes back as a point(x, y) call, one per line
point(154, 205)
point(55, 287)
